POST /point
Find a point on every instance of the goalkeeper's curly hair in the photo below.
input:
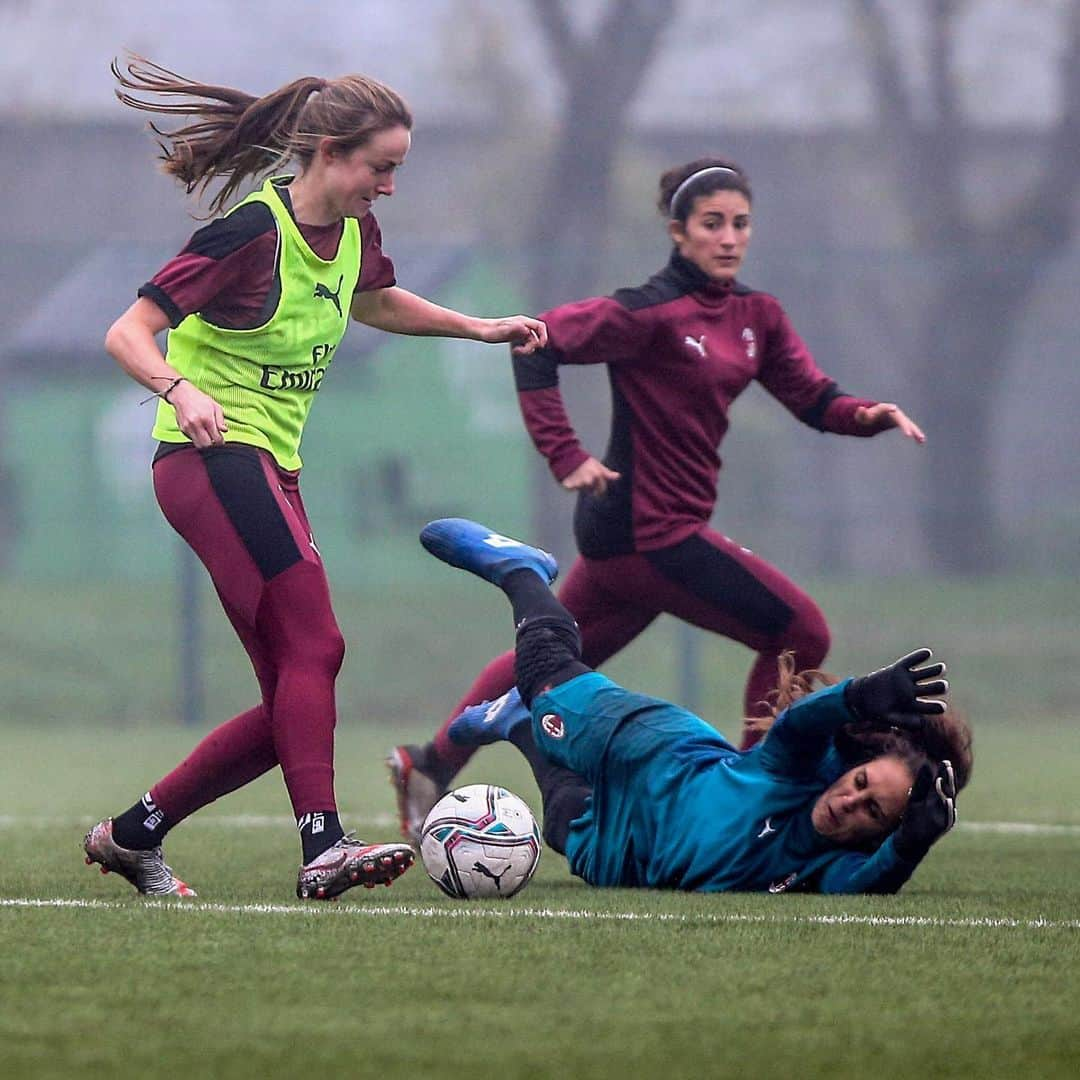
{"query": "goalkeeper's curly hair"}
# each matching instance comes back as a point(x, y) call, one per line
point(943, 737)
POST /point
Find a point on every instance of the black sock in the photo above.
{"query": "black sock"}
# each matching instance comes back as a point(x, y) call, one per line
point(141, 827)
point(319, 830)
point(563, 792)
point(530, 596)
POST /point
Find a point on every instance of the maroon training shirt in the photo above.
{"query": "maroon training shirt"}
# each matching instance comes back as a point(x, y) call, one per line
point(227, 272)
point(679, 350)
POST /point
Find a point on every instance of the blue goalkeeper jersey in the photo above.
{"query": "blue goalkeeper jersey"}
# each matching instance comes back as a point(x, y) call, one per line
point(676, 806)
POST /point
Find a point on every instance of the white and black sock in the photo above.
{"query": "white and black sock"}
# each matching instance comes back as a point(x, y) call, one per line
point(319, 830)
point(141, 827)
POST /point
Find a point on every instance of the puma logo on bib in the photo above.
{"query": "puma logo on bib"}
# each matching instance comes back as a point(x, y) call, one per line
point(322, 292)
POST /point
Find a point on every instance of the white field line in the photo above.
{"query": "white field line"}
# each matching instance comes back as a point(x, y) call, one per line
point(510, 914)
point(1025, 828)
point(229, 821)
point(389, 821)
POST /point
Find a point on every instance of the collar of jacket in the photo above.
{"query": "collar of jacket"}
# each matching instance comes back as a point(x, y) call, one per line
point(692, 278)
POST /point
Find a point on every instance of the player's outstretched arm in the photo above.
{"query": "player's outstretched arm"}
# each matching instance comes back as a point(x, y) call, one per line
point(804, 731)
point(399, 311)
point(898, 695)
point(884, 415)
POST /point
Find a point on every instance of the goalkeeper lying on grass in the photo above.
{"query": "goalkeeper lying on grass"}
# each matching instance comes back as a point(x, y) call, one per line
point(847, 793)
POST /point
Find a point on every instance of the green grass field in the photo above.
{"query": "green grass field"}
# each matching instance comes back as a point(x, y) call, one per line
point(971, 971)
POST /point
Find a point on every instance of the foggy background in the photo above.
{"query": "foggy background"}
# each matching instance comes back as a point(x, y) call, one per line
point(916, 169)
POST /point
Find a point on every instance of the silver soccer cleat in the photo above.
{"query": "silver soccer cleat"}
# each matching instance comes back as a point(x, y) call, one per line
point(351, 862)
point(146, 870)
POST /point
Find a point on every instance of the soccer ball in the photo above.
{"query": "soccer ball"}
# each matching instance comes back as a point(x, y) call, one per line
point(480, 840)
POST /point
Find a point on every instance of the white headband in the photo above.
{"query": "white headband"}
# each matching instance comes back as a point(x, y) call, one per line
point(697, 176)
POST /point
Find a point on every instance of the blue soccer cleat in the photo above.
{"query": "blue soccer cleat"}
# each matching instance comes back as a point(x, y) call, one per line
point(474, 547)
point(488, 722)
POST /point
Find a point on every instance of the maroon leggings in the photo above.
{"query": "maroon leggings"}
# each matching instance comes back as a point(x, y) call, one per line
point(244, 518)
point(708, 581)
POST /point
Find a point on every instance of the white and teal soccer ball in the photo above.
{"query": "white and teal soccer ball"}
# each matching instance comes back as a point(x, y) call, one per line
point(480, 841)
